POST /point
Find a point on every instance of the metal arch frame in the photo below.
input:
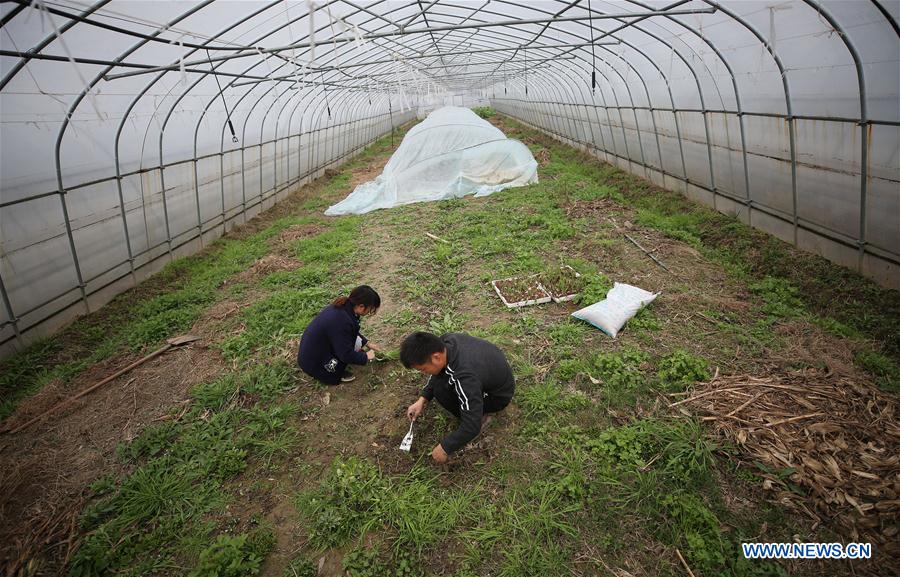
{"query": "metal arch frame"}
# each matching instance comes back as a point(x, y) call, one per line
point(45, 42)
point(262, 124)
point(213, 99)
point(700, 94)
point(263, 96)
point(737, 99)
point(862, 121)
point(161, 169)
point(668, 86)
point(788, 107)
point(613, 92)
point(247, 93)
point(824, 231)
point(62, 130)
point(584, 100)
point(162, 127)
point(704, 110)
point(121, 126)
point(633, 24)
point(713, 188)
point(13, 319)
point(391, 34)
point(323, 27)
point(642, 162)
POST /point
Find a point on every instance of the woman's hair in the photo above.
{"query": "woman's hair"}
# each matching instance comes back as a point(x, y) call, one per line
point(361, 295)
point(417, 348)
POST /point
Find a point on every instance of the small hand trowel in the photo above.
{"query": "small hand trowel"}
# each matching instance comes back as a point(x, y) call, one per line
point(406, 443)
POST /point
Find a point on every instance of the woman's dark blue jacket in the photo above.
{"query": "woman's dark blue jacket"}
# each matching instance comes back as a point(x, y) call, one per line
point(326, 347)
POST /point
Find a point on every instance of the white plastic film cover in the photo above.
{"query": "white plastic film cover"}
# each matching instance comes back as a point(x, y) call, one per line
point(450, 154)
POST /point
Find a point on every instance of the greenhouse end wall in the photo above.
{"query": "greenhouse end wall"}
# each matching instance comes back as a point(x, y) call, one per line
point(167, 212)
point(808, 209)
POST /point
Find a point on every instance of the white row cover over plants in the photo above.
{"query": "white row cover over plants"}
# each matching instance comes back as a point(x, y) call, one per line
point(452, 153)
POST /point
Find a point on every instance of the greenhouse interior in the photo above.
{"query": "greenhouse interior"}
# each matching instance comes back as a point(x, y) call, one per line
point(644, 255)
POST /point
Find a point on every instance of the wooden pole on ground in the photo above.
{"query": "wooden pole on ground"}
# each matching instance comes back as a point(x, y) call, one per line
point(174, 342)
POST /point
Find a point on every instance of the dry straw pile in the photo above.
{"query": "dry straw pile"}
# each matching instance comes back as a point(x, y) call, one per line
point(831, 438)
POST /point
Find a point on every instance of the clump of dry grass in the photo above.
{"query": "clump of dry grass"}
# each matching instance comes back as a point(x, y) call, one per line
point(267, 265)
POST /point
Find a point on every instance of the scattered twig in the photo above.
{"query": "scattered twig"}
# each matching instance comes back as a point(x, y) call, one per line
point(700, 396)
point(650, 462)
point(429, 235)
point(750, 402)
point(683, 562)
point(792, 419)
point(656, 260)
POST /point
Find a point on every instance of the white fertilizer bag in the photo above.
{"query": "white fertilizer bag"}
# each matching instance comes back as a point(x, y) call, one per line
point(622, 302)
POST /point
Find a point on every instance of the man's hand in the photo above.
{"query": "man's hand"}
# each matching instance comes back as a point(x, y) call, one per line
point(372, 346)
point(439, 455)
point(416, 408)
point(370, 354)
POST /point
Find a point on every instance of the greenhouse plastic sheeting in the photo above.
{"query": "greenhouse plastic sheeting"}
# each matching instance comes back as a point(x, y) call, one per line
point(452, 153)
point(133, 132)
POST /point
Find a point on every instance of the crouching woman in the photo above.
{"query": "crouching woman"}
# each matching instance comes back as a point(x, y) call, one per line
point(332, 341)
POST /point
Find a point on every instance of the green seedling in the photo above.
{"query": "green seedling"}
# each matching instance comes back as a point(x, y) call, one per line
point(562, 282)
point(384, 356)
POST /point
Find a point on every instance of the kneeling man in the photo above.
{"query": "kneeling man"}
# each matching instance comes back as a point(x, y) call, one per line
point(470, 377)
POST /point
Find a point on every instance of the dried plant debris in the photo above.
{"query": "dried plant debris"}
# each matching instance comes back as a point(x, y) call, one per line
point(267, 265)
point(827, 444)
point(295, 232)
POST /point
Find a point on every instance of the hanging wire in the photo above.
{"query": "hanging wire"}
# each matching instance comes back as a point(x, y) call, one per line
point(593, 56)
point(525, 52)
point(325, 90)
point(293, 57)
point(234, 137)
point(312, 31)
point(42, 9)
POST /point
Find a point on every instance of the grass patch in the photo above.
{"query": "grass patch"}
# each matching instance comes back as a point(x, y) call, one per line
point(885, 370)
point(151, 518)
point(269, 323)
point(412, 510)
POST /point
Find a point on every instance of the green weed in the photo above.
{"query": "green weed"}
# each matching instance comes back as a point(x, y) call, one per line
point(300, 567)
point(484, 111)
point(356, 499)
point(681, 368)
point(781, 298)
point(273, 320)
point(228, 557)
point(696, 529)
point(156, 510)
point(595, 288)
point(885, 371)
point(363, 562)
point(545, 399)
